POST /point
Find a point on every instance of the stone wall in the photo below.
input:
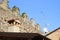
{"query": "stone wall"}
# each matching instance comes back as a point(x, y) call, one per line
point(4, 4)
point(19, 22)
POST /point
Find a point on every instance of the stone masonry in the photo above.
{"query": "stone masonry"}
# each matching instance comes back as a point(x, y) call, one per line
point(12, 21)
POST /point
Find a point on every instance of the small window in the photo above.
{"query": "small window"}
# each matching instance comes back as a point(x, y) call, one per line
point(10, 21)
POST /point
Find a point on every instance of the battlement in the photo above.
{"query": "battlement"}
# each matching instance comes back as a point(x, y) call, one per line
point(4, 1)
point(12, 21)
point(4, 4)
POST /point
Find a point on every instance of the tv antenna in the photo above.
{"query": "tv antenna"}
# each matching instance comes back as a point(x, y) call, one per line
point(46, 31)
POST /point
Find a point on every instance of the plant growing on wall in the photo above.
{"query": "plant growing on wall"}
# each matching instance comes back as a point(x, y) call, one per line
point(24, 14)
point(15, 8)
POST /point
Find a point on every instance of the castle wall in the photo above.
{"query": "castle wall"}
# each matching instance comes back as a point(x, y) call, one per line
point(8, 14)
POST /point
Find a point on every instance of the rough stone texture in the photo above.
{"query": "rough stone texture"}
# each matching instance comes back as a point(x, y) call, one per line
point(11, 21)
point(4, 4)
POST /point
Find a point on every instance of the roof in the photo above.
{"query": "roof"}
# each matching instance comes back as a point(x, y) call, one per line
point(23, 35)
point(53, 31)
point(18, 34)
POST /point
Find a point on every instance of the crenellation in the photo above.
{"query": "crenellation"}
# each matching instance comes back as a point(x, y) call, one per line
point(16, 11)
point(12, 21)
point(4, 4)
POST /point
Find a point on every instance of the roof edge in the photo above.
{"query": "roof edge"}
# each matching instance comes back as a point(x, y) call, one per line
point(53, 31)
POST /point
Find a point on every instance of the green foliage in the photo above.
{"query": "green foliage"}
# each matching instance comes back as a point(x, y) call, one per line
point(23, 15)
point(7, 2)
point(15, 8)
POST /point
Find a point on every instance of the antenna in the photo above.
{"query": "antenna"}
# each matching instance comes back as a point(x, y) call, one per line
point(46, 31)
point(45, 24)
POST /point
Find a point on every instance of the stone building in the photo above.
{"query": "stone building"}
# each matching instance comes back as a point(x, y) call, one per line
point(12, 21)
point(4, 4)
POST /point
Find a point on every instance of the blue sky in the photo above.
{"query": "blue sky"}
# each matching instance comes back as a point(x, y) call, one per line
point(43, 11)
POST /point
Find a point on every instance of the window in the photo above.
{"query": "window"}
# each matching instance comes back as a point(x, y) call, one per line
point(10, 21)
